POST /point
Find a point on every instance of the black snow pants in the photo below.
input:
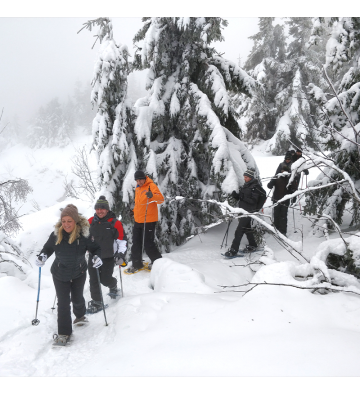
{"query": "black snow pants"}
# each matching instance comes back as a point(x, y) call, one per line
point(66, 292)
point(280, 216)
point(149, 244)
point(106, 277)
point(244, 227)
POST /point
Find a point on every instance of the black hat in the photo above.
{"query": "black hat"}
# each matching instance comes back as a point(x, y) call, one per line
point(288, 156)
point(249, 173)
point(299, 150)
point(139, 175)
point(102, 203)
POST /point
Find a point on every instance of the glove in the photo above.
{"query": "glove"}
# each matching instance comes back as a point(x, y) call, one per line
point(270, 185)
point(41, 259)
point(120, 246)
point(306, 172)
point(235, 195)
point(149, 194)
point(97, 262)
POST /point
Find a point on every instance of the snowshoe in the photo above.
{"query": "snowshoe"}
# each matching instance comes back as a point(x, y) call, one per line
point(114, 293)
point(238, 255)
point(133, 270)
point(148, 266)
point(95, 307)
point(231, 254)
point(60, 340)
point(249, 249)
point(81, 321)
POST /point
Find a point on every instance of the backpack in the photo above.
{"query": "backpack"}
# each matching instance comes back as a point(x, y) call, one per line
point(262, 198)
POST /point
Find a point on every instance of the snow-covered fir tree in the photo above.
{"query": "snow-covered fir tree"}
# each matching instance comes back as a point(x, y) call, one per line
point(113, 124)
point(259, 114)
point(340, 124)
point(186, 134)
point(49, 127)
point(83, 111)
point(297, 122)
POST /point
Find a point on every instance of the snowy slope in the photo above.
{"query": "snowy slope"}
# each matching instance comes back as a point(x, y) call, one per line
point(177, 320)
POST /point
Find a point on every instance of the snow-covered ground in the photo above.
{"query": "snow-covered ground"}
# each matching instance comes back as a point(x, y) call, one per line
point(178, 320)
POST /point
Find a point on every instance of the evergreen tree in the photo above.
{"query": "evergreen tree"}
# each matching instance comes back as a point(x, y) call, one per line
point(186, 134)
point(259, 114)
point(83, 111)
point(339, 123)
point(297, 122)
point(113, 124)
point(49, 128)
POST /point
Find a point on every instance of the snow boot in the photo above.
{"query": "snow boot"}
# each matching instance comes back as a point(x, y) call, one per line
point(133, 270)
point(114, 292)
point(248, 249)
point(231, 253)
point(60, 340)
point(94, 307)
point(81, 321)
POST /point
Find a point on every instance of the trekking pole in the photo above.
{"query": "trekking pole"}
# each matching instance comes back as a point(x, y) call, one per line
point(295, 231)
point(35, 321)
point(102, 300)
point(53, 308)
point(226, 234)
point(143, 240)
point(122, 292)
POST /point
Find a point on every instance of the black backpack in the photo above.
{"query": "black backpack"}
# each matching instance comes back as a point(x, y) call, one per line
point(262, 198)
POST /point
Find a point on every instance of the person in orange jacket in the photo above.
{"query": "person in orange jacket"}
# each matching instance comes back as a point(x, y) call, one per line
point(147, 197)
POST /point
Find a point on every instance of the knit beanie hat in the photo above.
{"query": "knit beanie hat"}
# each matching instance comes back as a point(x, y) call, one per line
point(70, 211)
point(288, 156)
point(299, 150)
point(102, 203)
point(139, 175)
point(249, 173)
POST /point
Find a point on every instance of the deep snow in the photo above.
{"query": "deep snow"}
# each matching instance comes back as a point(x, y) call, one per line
point(177, 320)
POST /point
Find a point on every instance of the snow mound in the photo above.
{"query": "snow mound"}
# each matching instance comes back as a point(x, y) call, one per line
point(170, 276)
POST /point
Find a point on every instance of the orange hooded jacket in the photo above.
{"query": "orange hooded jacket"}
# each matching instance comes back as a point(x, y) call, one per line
point(141, 200)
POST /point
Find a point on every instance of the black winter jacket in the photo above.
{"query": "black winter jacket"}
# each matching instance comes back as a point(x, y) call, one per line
point(248, 195)
point(280, 183)
point(70, 259)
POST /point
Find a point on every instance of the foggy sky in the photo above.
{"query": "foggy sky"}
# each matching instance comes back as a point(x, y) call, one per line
point(42, 58)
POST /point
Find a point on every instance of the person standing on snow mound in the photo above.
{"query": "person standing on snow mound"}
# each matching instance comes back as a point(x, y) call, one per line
point(147, 197)
point(281, 189)
point(249, 198)
point(70, 241)
point(108, 232)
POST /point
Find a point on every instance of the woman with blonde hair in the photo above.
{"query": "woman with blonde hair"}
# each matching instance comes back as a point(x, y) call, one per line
point(70, 241)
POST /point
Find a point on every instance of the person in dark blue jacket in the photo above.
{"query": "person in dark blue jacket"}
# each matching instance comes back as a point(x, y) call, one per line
point(69, 241)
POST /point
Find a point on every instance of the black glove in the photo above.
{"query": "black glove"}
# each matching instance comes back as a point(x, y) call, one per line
point(235, 195)
point(149, 194)
point(269, 185)
point(306, 172)
point(118, 256)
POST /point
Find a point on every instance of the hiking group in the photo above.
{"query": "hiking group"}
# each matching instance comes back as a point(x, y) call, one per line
point(103, 237)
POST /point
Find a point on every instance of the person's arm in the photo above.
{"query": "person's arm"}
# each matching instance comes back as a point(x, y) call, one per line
point(48, 248)
point(93, 247)
point(156, 194)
